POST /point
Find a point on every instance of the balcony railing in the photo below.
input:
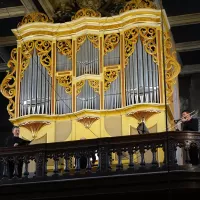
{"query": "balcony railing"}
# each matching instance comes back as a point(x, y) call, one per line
point(116, 155)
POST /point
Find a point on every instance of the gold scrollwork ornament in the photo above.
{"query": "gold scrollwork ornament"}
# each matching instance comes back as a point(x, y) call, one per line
point(86, 12)
point(9, 83)
point(66, 82)
point(110, 75)
point(110, 42)
point(79, 86)
point(94, 84)
point(65, 47)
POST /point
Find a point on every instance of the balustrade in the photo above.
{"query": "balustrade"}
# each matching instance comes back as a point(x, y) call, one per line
point(115, 155)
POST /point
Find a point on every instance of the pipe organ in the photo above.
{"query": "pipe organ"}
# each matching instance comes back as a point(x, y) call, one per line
point(93, 76)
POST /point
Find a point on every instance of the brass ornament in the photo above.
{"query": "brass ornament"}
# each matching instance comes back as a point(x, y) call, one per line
point(87, 121)
point(27, 52)
point(94, 84)
point(65, 47)
point(136, 4)
point(34, 126)
point(110, 42)
point(79, 86)
point(44, 48)
point(66, 82)
point(140, 114)
point(8, 85)
point(130, 39)
point(86, 12)
point(172, 67)
point(35, 17)
point(110, 75)
point(94, 39)
point(148, 38)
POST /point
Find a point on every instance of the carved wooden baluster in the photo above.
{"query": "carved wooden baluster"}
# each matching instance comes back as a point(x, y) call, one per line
point(131, 162)
point(26, 162)
point(142, 151)
point(77, 162)
point(16, 165)
point(165, 155)
point(119, 166)
point(88, 167)
point(172, 153)
point(56, 159)
point(67, 158)
point(187, 147)
point(40, 164)
point(154, 161)
point(110, 161)
point(5, 167)
point(103, 159)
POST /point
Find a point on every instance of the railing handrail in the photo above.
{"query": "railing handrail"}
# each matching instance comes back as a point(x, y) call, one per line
point(93, 143)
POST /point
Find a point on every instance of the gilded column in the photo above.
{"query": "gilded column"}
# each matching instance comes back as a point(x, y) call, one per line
point(122, 65)
point(74, 74)
point(53, 73)
point(18, 80)
point(101, 65)
point(160, 64)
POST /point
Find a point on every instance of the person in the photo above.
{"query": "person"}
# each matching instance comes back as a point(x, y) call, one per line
point(191, 124)
point(13, 141)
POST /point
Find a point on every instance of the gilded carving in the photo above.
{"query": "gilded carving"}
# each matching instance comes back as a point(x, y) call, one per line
point(65, 47)
point(86, 12)
point(34, 126)
point(87, 121)
point(148, 38)
point(66, 82)
point(172, 67)
point(110, 75)
point(8, 85)
point(94, 39)
point(27, 52)
point(130, 39)
point(146, 114)
point(136, 4)
point(94, 84)
point(79, 86)
point(35, 17)
point(44, 48)
point(110, 42)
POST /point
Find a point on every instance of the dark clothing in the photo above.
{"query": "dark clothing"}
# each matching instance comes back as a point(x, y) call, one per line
point(10, 141)
point(83, 161)
point(192, 125)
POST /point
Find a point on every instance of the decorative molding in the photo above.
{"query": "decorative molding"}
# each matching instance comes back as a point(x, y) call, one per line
point(87, 121)
point(12, 12)
point(34, 126)
point(188, 46)
point(29, 5)
point(8, 41)
point(140, 114)
point(181, 20)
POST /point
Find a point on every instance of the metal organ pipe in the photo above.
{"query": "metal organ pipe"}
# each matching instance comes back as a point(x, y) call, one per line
point(35, 94)
point(142, 84)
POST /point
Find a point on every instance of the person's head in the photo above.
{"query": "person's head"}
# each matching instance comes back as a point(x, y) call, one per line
point(186, 115)
point(15, 131)
point(83, 138)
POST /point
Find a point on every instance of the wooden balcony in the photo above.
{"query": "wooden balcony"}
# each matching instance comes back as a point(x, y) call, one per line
point(128, 164)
